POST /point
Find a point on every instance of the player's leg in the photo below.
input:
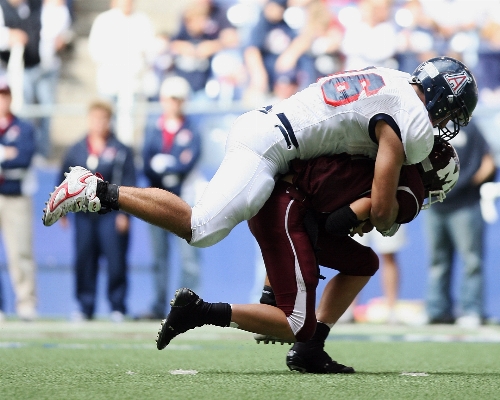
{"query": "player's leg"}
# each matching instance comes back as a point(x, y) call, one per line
point(242, 184)
point(338, 294)
point(239, 188)
point(261, 318)
point(157, 207)
point(310, 356)
point(282, 246)
point(189, 311)
point(288, 254)
point(356, 264)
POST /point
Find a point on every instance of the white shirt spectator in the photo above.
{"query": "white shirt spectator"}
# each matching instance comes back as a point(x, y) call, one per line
point(120, 44)
point(55, 33)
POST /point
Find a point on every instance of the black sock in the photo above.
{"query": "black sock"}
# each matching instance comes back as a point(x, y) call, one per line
point(268, 296)
point(218, 314)
point(317, 341)
point(321, 333)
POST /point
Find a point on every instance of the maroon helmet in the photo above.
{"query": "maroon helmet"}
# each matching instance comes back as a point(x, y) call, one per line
point(439, 171)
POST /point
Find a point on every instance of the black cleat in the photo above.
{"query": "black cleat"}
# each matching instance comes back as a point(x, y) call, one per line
point(266, 339)
point(184, 315)
point(315, 362)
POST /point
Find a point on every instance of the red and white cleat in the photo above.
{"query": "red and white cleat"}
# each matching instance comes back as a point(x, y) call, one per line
point(78, 192)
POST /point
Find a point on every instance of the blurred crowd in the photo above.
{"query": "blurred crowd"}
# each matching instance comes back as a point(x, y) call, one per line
point(244, 52)
point(249, 50)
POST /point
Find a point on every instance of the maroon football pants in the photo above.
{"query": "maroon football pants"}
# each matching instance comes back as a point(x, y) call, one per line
point(292, 261)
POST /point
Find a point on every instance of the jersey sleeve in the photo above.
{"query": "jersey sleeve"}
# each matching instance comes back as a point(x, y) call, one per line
point(417, 133)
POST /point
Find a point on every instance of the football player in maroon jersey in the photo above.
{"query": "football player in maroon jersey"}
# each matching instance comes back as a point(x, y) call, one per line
point(297, 231)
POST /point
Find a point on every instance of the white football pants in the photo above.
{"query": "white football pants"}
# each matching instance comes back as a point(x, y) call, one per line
point(256, 153)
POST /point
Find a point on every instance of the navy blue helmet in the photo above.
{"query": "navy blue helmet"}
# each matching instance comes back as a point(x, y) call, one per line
point(450, 92)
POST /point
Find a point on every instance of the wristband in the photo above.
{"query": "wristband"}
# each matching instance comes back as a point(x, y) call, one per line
point(341, 221)
point(108, 195)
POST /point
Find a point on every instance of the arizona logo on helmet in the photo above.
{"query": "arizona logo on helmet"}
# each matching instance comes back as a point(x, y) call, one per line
point(458, 81)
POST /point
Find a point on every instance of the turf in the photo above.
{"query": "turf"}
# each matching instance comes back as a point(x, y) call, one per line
point(58, 360)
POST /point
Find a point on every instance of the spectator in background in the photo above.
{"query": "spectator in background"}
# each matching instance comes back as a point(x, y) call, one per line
point(489, 57)
point(17, 146)
point(372, 41)
point(228, 73)
point(455, 26)
point(121, 44)
point(20, 27)
point(194, 45)
point(457, 226)
point(314, 52)
point(171, 150)
point(55, 35)
point(270, 37)
point(101, 235)
point(415, 36)
point(161, 66)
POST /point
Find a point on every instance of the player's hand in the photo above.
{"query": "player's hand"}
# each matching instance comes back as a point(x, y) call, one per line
point(357, 231)
point(362, 228)
point(367, 226)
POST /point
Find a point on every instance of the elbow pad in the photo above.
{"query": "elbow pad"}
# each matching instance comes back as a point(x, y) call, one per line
point(342, 221)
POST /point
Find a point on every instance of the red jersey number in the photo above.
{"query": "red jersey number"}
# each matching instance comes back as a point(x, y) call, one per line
point(344, 89)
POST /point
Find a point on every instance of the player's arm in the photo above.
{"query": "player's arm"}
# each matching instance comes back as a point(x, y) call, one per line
point(390, 158)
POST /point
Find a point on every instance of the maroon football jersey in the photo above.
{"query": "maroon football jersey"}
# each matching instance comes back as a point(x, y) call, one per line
point(332, 182)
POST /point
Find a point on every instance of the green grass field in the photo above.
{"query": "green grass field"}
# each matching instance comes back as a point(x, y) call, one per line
point(101, 360)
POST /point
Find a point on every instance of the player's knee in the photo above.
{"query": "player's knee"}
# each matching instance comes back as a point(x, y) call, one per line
point(367, 265)
point(371, 266)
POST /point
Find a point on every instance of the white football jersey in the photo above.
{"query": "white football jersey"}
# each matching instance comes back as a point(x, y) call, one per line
point(338, 114)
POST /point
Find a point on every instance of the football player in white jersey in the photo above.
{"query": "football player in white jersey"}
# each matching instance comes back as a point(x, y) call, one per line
point(385, 114)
